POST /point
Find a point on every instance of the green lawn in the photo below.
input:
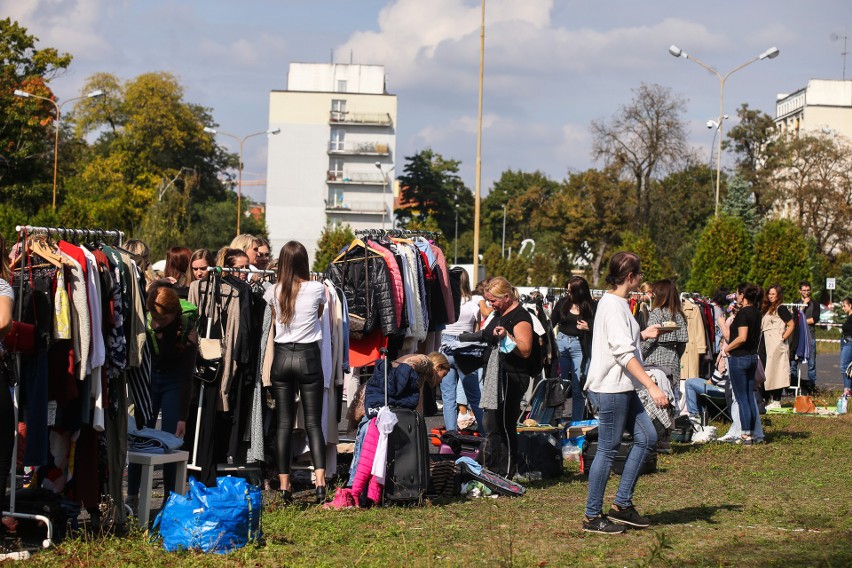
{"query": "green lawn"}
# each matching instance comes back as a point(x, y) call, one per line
point(786, 503)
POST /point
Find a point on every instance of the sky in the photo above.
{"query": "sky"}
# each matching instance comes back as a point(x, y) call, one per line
point(551, 66)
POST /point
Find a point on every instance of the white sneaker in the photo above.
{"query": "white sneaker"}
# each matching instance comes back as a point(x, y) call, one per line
point(775, 404)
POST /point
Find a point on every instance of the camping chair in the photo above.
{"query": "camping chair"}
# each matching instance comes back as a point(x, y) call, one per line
point(714, 408)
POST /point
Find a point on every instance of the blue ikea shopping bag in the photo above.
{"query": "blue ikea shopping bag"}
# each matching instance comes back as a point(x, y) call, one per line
point(211, 519)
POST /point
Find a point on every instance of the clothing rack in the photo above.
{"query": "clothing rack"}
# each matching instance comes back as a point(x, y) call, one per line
point(68, 234)
point(72, 234)
point(397, 233)
point(796, 306)
point(223, 270)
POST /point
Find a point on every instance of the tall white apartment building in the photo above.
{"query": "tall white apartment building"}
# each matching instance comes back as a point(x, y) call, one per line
point(823, 105)
point(332, 162)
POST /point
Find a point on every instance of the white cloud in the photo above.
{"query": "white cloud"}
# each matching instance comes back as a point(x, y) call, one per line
point(68, 25)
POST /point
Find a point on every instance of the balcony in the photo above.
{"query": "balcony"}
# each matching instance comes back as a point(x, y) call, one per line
point(358, 148)
point(374, 207)
point(360, 118)
point(355, 178)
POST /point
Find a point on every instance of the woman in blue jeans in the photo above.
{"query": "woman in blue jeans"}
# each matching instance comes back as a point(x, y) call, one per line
point(574, 313)
point(615, 372)
point(467, 322)
point(846, 346)
point(742, 356)
point(174, 346)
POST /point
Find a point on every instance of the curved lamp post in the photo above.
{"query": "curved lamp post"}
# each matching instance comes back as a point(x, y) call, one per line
point(270, 132)
point(93, 95)
point(770, 53)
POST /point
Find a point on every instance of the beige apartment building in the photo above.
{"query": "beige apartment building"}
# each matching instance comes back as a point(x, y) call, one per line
point(333, 162)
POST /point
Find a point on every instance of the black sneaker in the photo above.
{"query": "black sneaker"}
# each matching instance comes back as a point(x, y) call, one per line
point(600, 524)
point(628, 516)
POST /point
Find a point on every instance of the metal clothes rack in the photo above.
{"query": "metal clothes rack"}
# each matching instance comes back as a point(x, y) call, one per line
point(223, 270)
point(25, 231)
point(396, 233)
point(71, 234)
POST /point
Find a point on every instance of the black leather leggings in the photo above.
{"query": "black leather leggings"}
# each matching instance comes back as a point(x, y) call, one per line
point(298, 365)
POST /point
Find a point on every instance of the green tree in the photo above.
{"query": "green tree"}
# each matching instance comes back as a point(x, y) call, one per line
point(781, 256)
point(739, 202)
point(723, 256)
point(749, 140)
point(654, 267)
point(594, 208)
point(431, 188)
point(681, 204)
point(26, 129)
point(332, 240)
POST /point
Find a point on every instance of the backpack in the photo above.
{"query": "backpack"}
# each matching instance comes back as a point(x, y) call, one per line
point(189, 317)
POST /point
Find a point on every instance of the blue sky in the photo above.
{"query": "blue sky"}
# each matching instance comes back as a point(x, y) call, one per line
point(552, 66)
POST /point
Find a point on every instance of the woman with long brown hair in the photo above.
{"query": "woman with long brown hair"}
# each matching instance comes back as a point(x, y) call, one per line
point(574, 313)
point(776, 327)
point(297, 305)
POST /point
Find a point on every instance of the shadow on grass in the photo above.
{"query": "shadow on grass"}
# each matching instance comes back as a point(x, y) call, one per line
point(782, 436)
point(691, 514)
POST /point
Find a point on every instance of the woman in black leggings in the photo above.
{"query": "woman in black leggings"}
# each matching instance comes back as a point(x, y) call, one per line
point(297, 305)
point(7, 411)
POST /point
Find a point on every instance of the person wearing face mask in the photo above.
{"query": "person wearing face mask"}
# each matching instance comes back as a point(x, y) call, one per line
point(615, 373)
point(173, 348)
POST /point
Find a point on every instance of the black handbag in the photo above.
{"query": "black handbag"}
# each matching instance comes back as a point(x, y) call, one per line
point(207, 370)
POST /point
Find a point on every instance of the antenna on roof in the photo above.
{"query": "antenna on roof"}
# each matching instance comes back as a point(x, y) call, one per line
point(351, 54)
point(844, 53)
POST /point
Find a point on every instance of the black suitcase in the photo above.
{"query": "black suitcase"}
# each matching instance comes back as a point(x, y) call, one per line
point(407, 476)
point(650, 465)
point(540, 451)
point(250, 472)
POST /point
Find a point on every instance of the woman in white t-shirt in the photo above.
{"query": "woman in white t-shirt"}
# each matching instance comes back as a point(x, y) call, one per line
point(468, 321)
point(297, 305)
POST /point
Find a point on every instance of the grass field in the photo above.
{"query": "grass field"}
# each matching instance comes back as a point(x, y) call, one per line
point(786, 503)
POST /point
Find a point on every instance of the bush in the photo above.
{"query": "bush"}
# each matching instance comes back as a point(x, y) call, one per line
point(781, 256)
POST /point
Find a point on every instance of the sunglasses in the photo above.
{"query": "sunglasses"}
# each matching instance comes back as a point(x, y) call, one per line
point(263, 254)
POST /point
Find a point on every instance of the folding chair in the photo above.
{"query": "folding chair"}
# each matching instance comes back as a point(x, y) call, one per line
point(713, 408)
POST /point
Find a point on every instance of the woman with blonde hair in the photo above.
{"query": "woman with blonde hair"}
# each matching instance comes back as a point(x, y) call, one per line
point(250, 244)
point(510, 333)
point(141, 256)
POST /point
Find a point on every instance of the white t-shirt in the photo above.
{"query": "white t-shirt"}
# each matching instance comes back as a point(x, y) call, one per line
point(615, 341)
point(468, 317)
point(6, 289)
point(305, 326)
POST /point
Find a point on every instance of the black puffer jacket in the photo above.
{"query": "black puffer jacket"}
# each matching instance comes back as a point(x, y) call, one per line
point(366, 283)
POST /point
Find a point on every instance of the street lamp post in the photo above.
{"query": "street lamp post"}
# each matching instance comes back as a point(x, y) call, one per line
point(770, 53)
point(93, 95)
point(384, 190)
point(456, 259)
point(503, 246)
point(242, 142)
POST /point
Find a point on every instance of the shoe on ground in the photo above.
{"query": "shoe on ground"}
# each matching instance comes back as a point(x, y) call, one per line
point(602, 525)
point(774, 405)
point(628, 516)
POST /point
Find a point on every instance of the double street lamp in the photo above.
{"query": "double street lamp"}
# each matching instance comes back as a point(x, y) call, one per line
point(24, 94)
point(770, 53)
point(241, 141)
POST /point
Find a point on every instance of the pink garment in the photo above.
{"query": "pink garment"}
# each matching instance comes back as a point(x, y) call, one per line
point(363, 475)
point(444, 281)
point(397, 291)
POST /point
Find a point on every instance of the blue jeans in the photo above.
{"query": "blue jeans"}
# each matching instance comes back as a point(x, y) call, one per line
point(165, 396)
point(570, 366)
point(741, 370)
point(695, 387)
point(845, 360)
point(449, 385)
point(360, 434)
point(618, 412)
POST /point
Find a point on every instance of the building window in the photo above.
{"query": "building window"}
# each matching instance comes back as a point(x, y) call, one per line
point(335, 169)
point(342, 85)
point(338, 109)
point(337, 135)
